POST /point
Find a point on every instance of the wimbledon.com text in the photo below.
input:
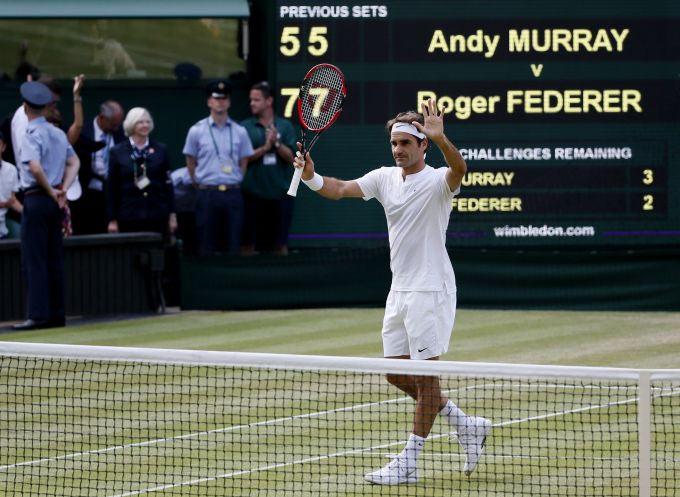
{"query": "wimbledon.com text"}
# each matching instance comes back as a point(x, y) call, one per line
point(546, 231)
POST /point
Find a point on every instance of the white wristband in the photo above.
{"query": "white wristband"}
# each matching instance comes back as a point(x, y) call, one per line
point(314, 184)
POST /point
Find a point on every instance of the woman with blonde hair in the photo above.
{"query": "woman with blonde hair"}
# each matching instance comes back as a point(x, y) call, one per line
point(139, 193)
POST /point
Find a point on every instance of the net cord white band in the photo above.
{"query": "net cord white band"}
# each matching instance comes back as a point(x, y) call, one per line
point(325, 363)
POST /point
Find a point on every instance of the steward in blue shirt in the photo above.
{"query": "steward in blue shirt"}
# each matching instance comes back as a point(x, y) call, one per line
point(217, 150)
point(47, 167)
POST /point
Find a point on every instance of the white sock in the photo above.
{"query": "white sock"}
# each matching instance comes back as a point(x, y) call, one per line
point(413, 447)
point(455, 416)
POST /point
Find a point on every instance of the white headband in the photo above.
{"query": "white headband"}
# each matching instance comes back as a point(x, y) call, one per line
point(407, 128)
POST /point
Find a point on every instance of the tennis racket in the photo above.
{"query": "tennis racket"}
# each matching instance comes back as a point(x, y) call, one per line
point(319, 103)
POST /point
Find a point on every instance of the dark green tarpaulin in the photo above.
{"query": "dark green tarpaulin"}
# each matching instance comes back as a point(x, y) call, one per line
point(644, 279)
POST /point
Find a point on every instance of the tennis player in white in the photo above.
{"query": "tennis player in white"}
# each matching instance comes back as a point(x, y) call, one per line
point(421, 306)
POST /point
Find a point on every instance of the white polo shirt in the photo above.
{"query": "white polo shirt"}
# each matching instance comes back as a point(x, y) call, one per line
point(9, 183)
point(417, 209)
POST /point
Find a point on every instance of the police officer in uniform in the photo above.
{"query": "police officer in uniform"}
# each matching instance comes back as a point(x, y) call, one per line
point(217, 150)
point(47, 167)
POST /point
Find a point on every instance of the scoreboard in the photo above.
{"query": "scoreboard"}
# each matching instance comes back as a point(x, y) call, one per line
point(567, 113)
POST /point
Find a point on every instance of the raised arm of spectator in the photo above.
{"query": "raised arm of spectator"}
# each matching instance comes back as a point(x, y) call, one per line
point(78, 115)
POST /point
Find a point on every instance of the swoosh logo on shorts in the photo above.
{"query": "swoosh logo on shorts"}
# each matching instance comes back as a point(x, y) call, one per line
point(420, 350)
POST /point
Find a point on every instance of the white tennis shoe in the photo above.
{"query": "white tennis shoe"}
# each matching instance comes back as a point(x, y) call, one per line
point(472, 438)
point(399, 470)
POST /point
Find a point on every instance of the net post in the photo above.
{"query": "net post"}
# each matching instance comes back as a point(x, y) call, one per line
point(644, 434)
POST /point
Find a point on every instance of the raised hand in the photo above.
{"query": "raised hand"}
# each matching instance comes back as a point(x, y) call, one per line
point(305, 162)
point(78, 82)
point(434, 121)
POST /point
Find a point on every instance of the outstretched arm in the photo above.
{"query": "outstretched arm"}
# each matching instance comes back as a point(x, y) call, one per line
point(332, 188)
point(78, 117)
point(434, 130)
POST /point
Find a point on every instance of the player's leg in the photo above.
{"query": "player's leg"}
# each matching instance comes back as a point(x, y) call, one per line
point(398, 331)
point(472, 431)
point(395, 342)
point(396, 346)
point(405, 383)
point(429, 403)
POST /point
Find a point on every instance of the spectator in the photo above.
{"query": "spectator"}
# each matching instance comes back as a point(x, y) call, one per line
point(19, 124)
point(268, 209)
point(93, 147)
point(48, 166)
point(217, 150)
point(9, 185)
point(139, 192)
point(20, 119)
point(54, 117)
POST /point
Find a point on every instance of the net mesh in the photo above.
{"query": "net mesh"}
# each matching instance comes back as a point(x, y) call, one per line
point(92, 427)
point(665, 459)
point(321, 97)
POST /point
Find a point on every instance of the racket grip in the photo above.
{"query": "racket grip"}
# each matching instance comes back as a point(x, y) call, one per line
point(295, 182)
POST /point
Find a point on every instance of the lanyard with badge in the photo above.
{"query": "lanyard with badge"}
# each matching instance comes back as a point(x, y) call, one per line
point(227, 164)
point(139, 158)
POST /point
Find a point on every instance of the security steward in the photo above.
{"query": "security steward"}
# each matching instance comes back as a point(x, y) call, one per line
point(217, 150)
point(47, 167)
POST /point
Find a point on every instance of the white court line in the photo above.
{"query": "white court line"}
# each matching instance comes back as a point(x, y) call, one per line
point(356, 451)
point(157, 441)
point(487, 455)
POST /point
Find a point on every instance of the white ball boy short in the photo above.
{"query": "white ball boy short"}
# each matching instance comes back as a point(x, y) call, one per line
point(418, 324)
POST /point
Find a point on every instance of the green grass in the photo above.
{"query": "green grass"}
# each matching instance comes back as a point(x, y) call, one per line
point(621, 339)
point(262, 434)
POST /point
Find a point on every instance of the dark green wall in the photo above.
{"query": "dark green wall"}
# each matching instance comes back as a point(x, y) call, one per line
point(642, 279)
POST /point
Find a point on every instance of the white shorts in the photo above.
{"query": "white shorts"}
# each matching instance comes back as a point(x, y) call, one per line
point(418, 324)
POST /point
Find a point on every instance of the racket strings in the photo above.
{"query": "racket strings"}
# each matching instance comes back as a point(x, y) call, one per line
point(325, 84)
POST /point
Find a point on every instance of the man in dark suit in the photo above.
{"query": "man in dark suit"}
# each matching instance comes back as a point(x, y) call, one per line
point(94, 148)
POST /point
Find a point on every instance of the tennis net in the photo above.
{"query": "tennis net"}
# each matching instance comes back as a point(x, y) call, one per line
point(116, 422)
